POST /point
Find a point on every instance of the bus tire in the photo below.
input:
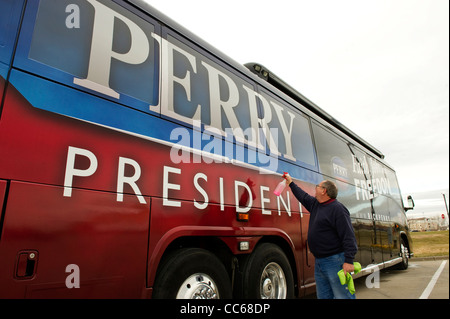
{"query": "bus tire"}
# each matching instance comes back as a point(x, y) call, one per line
point(268, 274)
point(404, 253)
point(192, 273)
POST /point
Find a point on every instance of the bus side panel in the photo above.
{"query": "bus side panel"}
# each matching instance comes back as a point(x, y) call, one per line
point(38, 154)
point(39, 150)
point(44, 232)
point(88, 246)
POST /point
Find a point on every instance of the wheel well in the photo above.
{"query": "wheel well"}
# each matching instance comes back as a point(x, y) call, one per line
point(212, 244)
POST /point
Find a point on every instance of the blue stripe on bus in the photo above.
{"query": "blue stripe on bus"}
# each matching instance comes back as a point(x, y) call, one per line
point(56, 98)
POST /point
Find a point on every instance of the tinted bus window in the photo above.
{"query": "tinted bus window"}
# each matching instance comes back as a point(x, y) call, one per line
point(95, 45)
point(335, 156)
point(200, 89)
point(293, 130)
point(347, 163)
point(395, 201)
point(394, 189)
point(10, 11)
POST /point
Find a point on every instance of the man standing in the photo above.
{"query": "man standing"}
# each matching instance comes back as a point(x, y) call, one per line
point(331, 238)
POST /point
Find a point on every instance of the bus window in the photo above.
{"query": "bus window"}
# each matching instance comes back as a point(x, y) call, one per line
point(200, 89)
point(292, 127)
point(394, 189)
point(10, 11)
point(91, 45)
point(335, 157)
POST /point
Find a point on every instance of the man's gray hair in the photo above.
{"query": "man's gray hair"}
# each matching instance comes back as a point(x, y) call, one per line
point(331, 188)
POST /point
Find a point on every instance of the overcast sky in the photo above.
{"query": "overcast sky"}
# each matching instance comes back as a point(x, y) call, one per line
point(381, 67)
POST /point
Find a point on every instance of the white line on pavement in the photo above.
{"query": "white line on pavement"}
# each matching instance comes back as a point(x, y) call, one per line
point(426, 293)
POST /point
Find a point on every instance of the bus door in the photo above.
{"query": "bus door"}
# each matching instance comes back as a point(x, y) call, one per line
point(368, 232)
point(308, 257)
point(383, 227)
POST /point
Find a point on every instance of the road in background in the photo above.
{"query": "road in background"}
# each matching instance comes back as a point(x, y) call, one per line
point(428, 279)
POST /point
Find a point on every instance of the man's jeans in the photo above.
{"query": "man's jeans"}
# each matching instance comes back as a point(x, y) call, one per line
point(328, 285)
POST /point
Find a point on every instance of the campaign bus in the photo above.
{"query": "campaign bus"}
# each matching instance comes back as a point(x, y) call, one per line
point(137, 161)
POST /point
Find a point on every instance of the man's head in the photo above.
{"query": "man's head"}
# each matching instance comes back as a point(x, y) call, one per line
point(325, 191)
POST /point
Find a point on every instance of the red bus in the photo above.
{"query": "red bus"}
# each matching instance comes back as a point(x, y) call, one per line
point(139, 162)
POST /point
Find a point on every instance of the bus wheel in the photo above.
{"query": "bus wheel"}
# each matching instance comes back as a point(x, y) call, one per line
point(268, 274)
point(405, 256)
point(192, 273)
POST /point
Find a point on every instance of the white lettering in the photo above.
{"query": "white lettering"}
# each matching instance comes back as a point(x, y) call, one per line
point(340, 170)
point(364, 190)
point(169, 79)
point(102, 52)
point(286, 207)
point(122, 179)
point(201, 191)
point(264, 124)
point(167, 186)
point(194, 309)
point(286, 131)
point(71, 171)
point(261, 124)
point(357, 188)
point(222, 203)
point(253, 139)
point(244, 199)
point(367, 190)
point(264, 200)
point(217, 104)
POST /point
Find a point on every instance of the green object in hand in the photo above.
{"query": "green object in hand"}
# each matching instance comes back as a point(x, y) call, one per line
point(348, 279)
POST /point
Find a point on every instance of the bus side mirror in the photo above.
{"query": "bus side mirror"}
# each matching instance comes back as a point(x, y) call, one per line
point(410, 203)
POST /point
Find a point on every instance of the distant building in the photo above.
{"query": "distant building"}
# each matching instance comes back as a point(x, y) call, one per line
point(427, 224)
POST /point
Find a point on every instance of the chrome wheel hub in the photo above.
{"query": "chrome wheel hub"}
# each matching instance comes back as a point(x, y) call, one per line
point(198, 286)
point(273, 282)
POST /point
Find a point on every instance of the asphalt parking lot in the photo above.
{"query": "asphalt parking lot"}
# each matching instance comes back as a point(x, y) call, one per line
point(424, 279)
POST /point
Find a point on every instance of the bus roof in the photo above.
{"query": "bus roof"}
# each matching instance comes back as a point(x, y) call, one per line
point(271, 78)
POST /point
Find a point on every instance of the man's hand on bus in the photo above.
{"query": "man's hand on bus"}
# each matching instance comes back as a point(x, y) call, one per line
point(288, 178)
